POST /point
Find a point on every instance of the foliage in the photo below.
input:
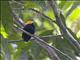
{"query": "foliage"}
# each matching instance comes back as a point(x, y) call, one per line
point(31, 50)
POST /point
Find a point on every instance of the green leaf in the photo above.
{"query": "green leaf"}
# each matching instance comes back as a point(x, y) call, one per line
point(4, 34)
point(6, 16)
point(67, 6)
point(74, 15)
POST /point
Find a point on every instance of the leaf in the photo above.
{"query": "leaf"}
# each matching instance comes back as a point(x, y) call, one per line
point(4, 34)
point(6, 17)
point(67, 6)
point(74, 15)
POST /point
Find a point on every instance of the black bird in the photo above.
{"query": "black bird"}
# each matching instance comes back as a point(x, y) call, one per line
point(29, 27)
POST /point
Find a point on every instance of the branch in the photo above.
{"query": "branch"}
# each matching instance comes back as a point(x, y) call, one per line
point(14, 41)
point(18, 20)
point(45, 45)
point(66, 33)
point(51, 50)
point(42, 37)
point(43, 15)
point(42, 43)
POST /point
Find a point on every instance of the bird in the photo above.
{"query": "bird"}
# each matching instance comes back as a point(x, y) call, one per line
point(29, 27)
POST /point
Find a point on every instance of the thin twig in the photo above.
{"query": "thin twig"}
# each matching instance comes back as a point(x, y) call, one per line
point(14, 41)
point(42, 37)
point(51, 36)
point(43, 15)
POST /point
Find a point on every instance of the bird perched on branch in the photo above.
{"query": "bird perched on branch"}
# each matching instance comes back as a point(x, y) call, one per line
point(29, 27)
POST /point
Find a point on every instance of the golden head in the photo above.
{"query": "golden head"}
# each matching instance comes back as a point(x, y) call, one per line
point(29, 22)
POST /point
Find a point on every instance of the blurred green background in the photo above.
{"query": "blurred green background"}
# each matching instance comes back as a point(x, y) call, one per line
point(69, 11)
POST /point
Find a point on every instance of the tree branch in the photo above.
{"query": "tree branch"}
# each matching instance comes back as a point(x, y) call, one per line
point(18, 20)
point(51, 50)
point(42, 43)
point(66, 33)
point(43, 15)
point(42, 37)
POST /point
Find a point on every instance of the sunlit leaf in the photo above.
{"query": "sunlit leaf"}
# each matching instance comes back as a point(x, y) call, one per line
point(3, 32)
point(73, 16)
